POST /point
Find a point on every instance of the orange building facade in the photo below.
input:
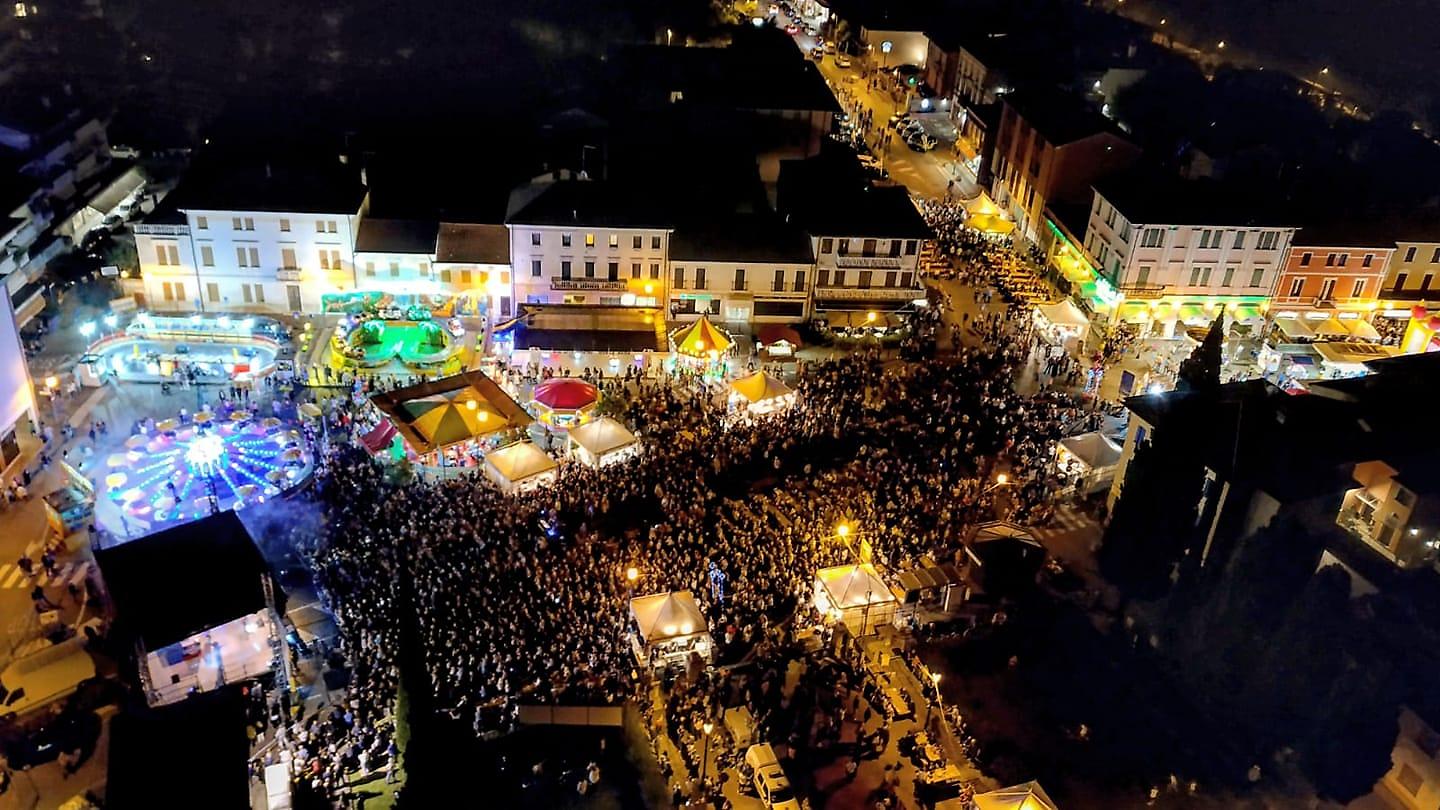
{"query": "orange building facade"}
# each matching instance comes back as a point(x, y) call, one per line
point(1319, 280)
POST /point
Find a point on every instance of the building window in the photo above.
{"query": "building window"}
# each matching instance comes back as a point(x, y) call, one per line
point(1425, 282)
point(212, 292)
point(635, 269)
point(911, 246)
point(822, 278)
point(589, 268)
point(1410, 254)
point(867, 247)
point(424, 269)
point(1269, 240)
point(444, 275)
point(614, 240)
point(636, 242)
point(1344, 259)
point(894, 248)
point(865, 278)
point(243, 260)
point(319, 226)
point(1143, 276)
point(1369, 258)
point(654, 243)
point(839, 278)
point(1153, 237)
point(612, 271)
point(207, 256)
point(467, 277)
point(827, 244)
point(369, 269)
point(778, 285)
point(331, 226)
point(535, 238)
point(1359, 290)
point(284, 226)
point(1296, 285)
point(1195, 271)
point(739, 279)
point(1256, 276)
point(1435, 257)
point(202, 223)
point(245, 291)
point(394, 269)
point(534, 268)
point(1239, 240)
point(589, 240)
point(1305, 259)
point(564, 240)
point(1330, 259)
point(1400, 281)
point(678, 278)
point(655, 271)
point(699, 278)
point(324, 261)
point(236, 224)
point(287, 258)
point(1229, 277)
point(799, 281)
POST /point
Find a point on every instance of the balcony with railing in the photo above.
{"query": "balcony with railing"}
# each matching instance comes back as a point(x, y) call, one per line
point(1142, 291)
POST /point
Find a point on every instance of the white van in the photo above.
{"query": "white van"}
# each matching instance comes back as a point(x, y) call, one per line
point(45, 676)
point(770, 781)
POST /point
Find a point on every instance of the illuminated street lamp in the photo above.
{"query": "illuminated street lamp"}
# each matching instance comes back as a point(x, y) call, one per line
point(707, 727)
point(111, 321)
point(935, 680)
point(1002, 479)
point(632, 573)
point(87, 329)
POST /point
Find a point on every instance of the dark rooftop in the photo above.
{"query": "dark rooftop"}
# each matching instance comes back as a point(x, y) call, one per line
point(1357, 232)
point(596, 203)
point(193, 748)
point(760, 70)
point(743, 238)
point(1060, 117)
point(312, 185)
point(1150, 197)
point(212, 573)
point(477, 244)
point(396, 236)
point(828, 195)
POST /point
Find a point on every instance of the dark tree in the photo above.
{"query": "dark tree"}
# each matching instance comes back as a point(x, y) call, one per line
point(1151, 528)
point(1349, 747)
point(1201, 370)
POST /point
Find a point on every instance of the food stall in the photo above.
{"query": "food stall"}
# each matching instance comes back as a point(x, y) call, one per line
point(854, 595)
point(760, 393)
point(667, 629)
point(520, 467)
point(603, 441)
point(1087, 462)
point(564, 402)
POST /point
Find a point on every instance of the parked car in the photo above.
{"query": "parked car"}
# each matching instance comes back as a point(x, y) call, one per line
point(842, 60)
point(38, 679)
point(817, 54)
point(920, 142)
point(829, 46)
point(770, 781)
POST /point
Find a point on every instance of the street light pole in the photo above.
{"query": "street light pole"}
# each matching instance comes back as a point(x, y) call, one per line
point(707, 727)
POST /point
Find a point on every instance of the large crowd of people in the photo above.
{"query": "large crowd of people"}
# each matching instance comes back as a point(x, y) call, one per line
point(523, 598)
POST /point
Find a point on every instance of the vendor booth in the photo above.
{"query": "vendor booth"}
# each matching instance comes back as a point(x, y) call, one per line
point(1087, 462)
point(1027, 796)
point(564, 402)
point(777, 343)
point(761, 393)
point(520, 467)
point(983, 215)
point(854, 595)
point(448, 422)
point(1063, 321)
point(1004, 558)
point(603, 441)
point(668, 628)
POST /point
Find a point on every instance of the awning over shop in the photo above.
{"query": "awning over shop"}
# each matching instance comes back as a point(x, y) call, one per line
point(1364, 330)
point(1194, 314)
point(1294, 328)
point(855, 319)
point(379, 436)
point(1353, 354)
point(1135, 312)
point(1246, 313)
point(833, 305)
point(1331, 327)
point(1064, 313)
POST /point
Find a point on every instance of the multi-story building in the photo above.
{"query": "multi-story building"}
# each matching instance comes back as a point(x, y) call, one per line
point(745, 269)
point(473, 263)
point(1179, 251)
point(258, 238)
point(1331, 270)
point(588, 243)
point(867, 239)
point(1051, 148)
point(1414, 273)
point(17, 393)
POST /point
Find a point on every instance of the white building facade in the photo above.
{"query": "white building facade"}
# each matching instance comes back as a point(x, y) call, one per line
point(866, 273)
point(589, 264)
point(1172, 274)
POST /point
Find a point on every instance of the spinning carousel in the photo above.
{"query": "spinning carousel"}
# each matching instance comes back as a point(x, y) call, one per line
point(179, 472)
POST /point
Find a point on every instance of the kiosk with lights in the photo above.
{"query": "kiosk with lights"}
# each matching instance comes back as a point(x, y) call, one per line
point(520, 467)
point(564, 402)
point(667, 629)
point(182, 471)
point(603, 441)
point(854, 595)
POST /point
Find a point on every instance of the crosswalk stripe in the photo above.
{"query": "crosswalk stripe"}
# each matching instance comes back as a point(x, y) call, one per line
point(12, 575)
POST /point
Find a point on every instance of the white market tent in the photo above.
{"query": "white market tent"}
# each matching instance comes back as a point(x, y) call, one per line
point(1064, 313)
point(1364, 331)
point(520, 466)
point(1331, 327)
point(855, 595)
point(1027, 796)
point(1294, 328)
point(1091, 458)
point(602, 442)
point(671, 626)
